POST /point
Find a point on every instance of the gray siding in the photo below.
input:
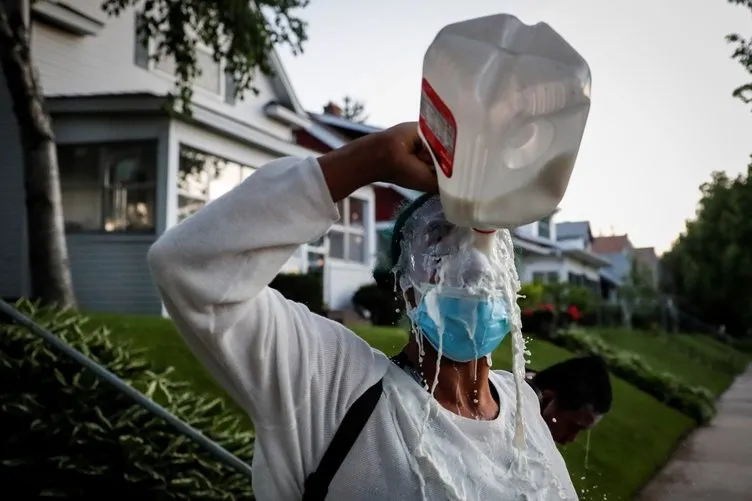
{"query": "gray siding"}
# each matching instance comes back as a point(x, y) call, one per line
point(105, 64)
point(110, 273)
point(620, 264)
point(13, 256)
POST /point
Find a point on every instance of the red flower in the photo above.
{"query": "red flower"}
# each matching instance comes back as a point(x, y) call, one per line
point(527, 312)
point(574, 313)
point(547, 307)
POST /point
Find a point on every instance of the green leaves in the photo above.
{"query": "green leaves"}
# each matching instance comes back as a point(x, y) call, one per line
point(709, 268)
point(239, 34)
point(65, 434)
point(743, 54)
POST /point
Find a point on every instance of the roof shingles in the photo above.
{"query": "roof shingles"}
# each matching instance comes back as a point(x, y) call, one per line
point(610, 245)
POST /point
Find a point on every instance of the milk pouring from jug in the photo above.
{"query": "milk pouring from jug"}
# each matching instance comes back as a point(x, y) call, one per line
point(503, 110)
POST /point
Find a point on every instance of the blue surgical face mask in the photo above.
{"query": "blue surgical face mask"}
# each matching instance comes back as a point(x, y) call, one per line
point(470, 326)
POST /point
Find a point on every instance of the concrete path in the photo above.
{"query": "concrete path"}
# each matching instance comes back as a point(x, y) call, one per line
point(715, 462)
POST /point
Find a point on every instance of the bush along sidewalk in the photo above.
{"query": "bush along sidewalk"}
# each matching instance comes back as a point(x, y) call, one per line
point(67, 434)
point(693, 401)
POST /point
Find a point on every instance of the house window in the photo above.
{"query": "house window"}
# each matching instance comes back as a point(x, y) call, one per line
point(141, 52)
point(316, 255)
point(211, 76)
point(230, 89)
point(546, 277)
point(108, 187)
point(203, 177)
point(544, 227)
point(347, 238)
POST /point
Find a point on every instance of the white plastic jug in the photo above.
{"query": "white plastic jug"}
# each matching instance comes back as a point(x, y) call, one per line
point(503, 109)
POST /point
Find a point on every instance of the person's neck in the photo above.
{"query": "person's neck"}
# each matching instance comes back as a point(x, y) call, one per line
point(462, 387)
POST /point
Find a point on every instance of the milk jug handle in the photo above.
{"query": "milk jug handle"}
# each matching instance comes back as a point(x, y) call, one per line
point(430, 151)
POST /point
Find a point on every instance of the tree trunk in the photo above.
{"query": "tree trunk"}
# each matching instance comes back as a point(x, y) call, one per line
point(48, 254)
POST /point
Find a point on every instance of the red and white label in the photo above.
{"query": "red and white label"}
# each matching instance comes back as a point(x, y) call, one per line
point(438, 127)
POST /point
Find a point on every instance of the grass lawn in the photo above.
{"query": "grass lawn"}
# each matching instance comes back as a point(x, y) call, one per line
point(696, 359)
point(626, 449)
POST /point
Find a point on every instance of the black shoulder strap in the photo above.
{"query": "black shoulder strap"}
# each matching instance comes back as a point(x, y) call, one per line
point(317, 483)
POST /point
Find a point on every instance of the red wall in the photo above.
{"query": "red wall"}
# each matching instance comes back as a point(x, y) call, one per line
point(304, 139)
point(388, 202)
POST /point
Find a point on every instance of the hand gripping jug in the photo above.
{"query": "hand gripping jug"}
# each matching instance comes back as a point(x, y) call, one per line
point(503, 109)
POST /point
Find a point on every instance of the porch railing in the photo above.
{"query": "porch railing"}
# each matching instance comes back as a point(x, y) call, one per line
point(216, 450)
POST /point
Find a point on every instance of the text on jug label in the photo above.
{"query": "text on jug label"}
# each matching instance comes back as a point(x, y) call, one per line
point(438, 127)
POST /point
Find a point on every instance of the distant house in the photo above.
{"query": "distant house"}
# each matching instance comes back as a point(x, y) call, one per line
point(578, 235)
point(129, 171)
point(571, 259)
point(619, 252)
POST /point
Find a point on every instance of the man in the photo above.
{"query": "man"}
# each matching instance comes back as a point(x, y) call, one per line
point(333, 417)
point(574, 395)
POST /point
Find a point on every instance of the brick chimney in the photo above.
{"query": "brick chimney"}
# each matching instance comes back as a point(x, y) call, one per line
point(333, 109)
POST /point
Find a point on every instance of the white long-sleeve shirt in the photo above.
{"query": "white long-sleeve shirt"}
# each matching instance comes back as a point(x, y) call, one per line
point(296, 373)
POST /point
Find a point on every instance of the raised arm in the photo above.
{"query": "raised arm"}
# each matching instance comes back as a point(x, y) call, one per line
point(213, 269)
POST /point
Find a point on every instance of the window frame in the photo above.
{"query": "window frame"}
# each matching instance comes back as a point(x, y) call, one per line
point(547, 222)
point(200, 48)
point(104, 186)
point(546, 277)
point(142, 57)
point(345, 227)
point(317, 249)
point(245, 171)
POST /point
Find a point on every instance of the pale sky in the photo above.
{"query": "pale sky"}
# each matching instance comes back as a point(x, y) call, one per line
point(662, 117)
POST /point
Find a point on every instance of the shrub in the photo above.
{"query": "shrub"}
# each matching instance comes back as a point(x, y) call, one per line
point(695, 402)
point(647, 318)
point(547, 307)
point(531, 295)
point(540, 321)
point(581, 297)
point(65, 433)
point(307, 289)
point(610, 315)
point(384, 307)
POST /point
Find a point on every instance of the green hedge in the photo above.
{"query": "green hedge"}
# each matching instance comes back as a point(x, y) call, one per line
point(384, 306)
point(65, 433)
point(307, 289)
point(697, 403)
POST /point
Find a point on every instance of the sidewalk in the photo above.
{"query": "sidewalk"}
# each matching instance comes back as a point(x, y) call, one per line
point(714, 463)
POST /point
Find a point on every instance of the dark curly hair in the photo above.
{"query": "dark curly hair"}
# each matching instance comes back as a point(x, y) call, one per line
point(578, 382)
point(384, 272)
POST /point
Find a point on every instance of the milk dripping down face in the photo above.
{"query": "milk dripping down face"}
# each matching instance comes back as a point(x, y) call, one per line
point(435, 252)
point(439, 259)
point(458, 295)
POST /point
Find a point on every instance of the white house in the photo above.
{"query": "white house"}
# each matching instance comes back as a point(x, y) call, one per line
point(129, 171)
point(568, 254)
